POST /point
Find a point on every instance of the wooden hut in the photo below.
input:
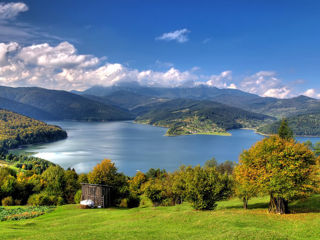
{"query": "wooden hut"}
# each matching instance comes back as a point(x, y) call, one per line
point(99, 194)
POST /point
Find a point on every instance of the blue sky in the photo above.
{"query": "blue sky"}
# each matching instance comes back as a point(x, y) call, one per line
point(270, 48)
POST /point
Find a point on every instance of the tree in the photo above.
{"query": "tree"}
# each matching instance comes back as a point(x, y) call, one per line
point(72, 185)
point(106, 173)
point(282, 168)
point(136, 182)
point(245, 183)
point(284, 131)
point(103, 173)
point(55, 180)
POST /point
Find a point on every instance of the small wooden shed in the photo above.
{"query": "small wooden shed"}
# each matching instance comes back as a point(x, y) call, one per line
point(99, 194)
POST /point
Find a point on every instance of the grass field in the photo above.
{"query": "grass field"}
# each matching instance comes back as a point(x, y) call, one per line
point(229, 221)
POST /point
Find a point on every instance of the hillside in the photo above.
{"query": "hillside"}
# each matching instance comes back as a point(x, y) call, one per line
point(16, 129)
point(284, 107)
point(229, 221)
point(185, 116)
point(25, 109)
point(62, 105)
point(301, 125)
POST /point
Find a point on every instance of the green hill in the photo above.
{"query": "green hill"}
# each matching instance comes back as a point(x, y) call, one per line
point(229, 221)
point(301, 125)
point(16, 129)
point(186, 116)
point(62, 105)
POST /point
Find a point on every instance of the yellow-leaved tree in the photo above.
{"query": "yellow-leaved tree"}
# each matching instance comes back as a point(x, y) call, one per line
point(281, 167)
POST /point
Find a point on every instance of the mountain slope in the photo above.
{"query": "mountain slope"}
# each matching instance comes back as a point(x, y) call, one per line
point(186, 116)
point(124, 99)
point(284, 107)
point(25, 109)
point(64, 105)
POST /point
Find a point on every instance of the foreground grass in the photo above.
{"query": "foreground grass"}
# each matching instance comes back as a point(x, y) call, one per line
point(229, 221)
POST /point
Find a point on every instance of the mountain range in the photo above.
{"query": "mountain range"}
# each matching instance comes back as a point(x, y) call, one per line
point(184, 110)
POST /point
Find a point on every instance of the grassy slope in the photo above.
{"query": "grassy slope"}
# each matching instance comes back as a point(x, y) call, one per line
point(229, 221)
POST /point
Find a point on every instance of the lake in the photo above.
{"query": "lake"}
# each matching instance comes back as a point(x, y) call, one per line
point(136, 147)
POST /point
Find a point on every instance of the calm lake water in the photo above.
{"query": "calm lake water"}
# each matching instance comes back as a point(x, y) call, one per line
point(140, 147)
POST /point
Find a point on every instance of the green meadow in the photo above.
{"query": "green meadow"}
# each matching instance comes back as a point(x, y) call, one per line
point(228, 221)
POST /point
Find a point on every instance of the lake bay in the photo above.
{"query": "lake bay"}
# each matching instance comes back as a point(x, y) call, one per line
point(140, 147)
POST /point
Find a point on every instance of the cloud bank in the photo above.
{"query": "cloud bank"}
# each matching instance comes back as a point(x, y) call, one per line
point(62, 67)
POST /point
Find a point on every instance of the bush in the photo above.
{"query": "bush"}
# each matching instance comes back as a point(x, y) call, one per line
point(43, 199)
point(8, 201)
point(130, 202)
point(205, 186)
point(77, 196)
point(154, 191)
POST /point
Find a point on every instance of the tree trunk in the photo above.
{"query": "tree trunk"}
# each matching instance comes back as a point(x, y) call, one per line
point(245, 203)
point(278, 205)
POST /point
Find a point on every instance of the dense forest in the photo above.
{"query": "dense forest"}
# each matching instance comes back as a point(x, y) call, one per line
point(16, 130)
point(301, 125)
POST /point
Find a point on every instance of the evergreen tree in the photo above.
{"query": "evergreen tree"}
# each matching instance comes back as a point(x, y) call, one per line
point(284, 131)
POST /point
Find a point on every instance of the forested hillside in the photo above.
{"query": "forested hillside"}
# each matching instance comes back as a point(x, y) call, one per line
point(62, 105)
point(301, 125)
point(184, 116)
point(16, 129)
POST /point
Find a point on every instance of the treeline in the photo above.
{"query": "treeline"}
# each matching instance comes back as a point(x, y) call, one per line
point(16, 130)
point(24, 162)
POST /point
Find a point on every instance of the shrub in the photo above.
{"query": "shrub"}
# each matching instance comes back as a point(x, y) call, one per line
point(130, 202)
point(154, 191)
point(8, 201)
point(43, 199)
point(77, 196)
point(205, 186)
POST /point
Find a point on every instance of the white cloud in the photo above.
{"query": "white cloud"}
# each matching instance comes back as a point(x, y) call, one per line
point(311, 93)
point(180, 36)
point(265, 83)
point(64, 55)
point(61, 67)
point(11, 10)
point(206, 40)
point(221, 81)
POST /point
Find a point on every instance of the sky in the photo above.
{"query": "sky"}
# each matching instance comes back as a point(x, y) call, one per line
point(270, 48)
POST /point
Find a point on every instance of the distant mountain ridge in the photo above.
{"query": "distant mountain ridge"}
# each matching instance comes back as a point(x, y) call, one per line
point(236, 98)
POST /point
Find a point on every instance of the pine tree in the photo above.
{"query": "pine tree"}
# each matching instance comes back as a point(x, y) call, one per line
point(284, 131)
